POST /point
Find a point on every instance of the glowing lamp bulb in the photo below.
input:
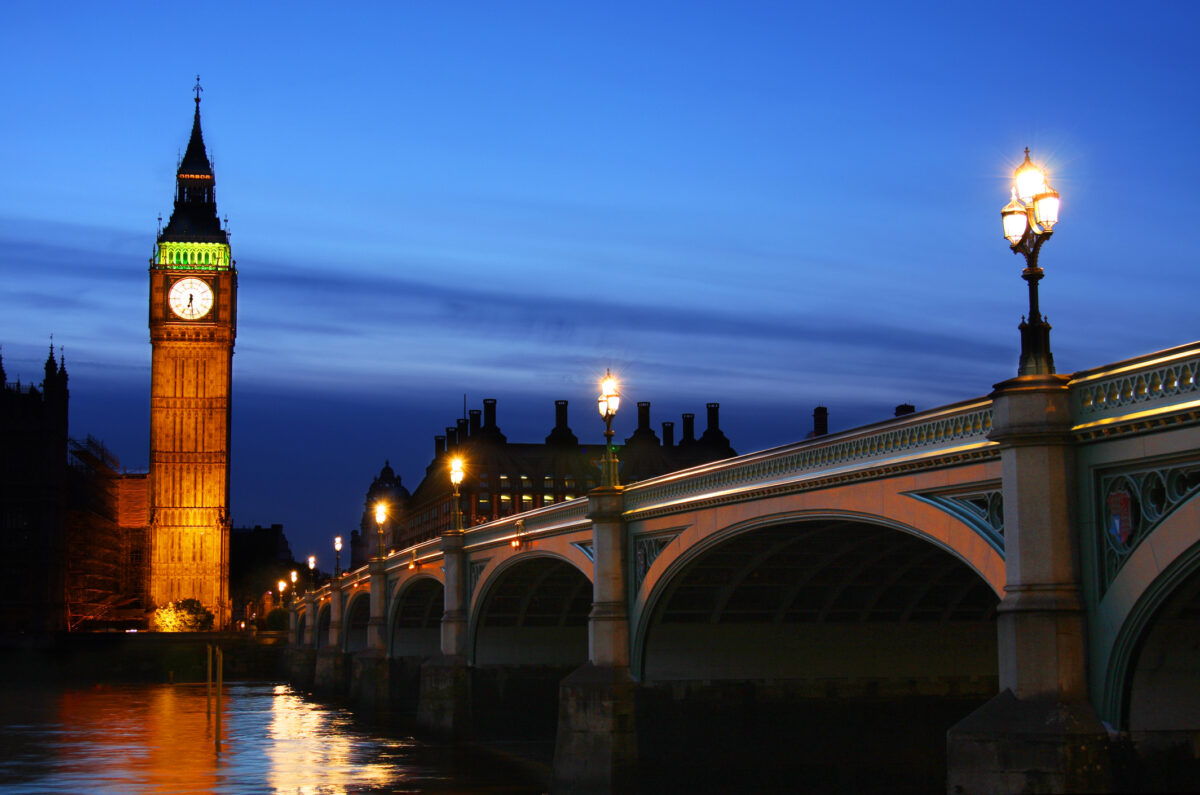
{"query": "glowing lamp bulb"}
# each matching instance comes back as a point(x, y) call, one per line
point(1030, 180)
point(312, 562)
point(337, 543)
point(610, 398)
point(456, 471)
point(380, 513)
point(1045, 208)
point(1015, 220)
point(293, 575)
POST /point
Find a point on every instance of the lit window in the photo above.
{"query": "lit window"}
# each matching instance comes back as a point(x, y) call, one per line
point(548, 498)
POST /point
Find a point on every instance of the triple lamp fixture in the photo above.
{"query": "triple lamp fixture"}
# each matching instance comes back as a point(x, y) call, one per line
point(1029, 219)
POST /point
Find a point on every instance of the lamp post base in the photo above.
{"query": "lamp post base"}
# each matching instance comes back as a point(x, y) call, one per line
point(1036, 358)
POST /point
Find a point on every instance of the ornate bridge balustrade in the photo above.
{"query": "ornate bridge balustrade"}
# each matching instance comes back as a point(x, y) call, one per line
point(1042, 542)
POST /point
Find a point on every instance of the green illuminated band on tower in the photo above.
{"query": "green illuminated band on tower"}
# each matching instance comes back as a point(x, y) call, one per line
point(193, 255)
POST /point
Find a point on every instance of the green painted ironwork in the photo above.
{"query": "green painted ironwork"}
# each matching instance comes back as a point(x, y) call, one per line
point(1132, 503)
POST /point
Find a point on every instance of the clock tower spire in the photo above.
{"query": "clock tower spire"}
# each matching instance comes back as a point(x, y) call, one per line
point(193, 324)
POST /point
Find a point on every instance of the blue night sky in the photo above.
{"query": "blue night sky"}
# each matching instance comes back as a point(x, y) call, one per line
point(770, 205)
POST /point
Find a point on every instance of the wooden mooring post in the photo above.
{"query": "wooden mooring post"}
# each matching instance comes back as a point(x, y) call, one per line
point(220, 687)
point(208, 680)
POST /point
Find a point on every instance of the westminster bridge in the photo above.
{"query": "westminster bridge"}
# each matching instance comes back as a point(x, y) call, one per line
point(1022, 569)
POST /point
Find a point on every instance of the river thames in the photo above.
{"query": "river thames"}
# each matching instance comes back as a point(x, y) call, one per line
point(161, 739)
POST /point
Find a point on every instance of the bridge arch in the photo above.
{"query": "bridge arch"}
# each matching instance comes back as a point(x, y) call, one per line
point(355, 617)
point(415, 617)
point(956, 538)
point(794, 636)
point(537, 590)
point(1150, 607)
point(527, 632)
point(321, 636)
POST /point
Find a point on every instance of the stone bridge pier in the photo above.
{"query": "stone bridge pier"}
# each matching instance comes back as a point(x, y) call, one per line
point(1040, 734)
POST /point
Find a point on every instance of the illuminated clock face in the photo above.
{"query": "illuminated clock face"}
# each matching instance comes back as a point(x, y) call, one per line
point(190, 299)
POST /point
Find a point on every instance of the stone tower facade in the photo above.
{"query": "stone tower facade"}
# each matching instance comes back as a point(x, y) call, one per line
point(193, 324)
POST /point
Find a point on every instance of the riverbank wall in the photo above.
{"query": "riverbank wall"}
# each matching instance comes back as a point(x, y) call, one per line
point(140, 657)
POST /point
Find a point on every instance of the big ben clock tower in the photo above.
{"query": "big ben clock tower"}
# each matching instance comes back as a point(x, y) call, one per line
point(193, 323)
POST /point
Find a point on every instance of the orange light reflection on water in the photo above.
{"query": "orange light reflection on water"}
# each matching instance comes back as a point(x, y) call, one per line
point(310, 752)
point(146, 740)
point(158, 739)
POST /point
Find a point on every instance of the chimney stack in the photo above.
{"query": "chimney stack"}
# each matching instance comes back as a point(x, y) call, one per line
point(905, 409)
point(462, 430)
point(820, 421)
point(689, 428)
point(560, 434)
point(644, 415)
point(451, 438)
point(474, 421)
point(714, 421)
point(489, 412)
point(668, 434)
point(439, 445)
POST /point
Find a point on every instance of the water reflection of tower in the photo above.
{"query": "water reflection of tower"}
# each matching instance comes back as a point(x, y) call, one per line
point(141, 738)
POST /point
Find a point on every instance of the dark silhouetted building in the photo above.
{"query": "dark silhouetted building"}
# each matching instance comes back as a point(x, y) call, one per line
point(503, 478)
point(73, 526)
point(33, 485)
point(385, 488)
point(259, 557)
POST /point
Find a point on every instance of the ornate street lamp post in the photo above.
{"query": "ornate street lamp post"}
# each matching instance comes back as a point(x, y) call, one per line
point(456, 478)
point(312, 571)
point(380, 518)
point(608, 403)
point(337, 561)
point(294, 575)
point(282, 587)
point(1029, 220)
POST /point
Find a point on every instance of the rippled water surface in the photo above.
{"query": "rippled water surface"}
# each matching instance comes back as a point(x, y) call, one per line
point(158, 738)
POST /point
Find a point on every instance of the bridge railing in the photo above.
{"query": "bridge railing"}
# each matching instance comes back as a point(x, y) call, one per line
point(1147, 385)
point(956, 428)
point(960, 427)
